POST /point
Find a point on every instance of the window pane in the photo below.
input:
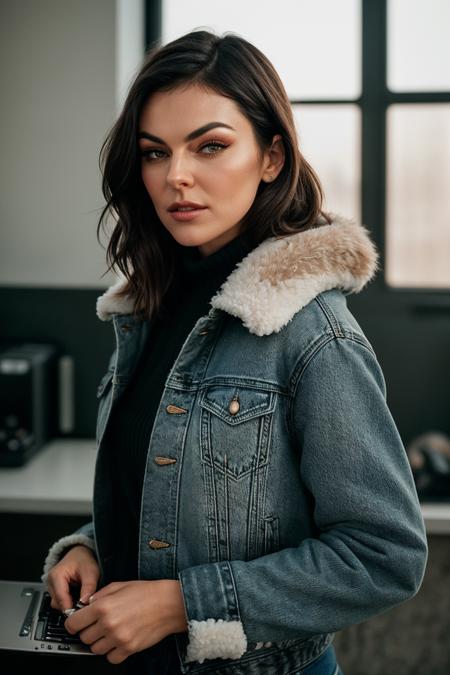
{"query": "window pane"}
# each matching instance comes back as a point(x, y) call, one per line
point(418, 199)
point(418, 45)
point(314, 45)
point(329, 138)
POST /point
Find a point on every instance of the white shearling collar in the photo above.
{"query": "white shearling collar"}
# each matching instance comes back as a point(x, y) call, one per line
point(281, 275)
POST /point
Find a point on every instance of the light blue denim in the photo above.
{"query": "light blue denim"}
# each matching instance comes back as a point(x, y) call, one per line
point(290, 505)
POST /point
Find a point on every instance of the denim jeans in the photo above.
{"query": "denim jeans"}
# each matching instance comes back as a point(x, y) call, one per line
point(326, 664)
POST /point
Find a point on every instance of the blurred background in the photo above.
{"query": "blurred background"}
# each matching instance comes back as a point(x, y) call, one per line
point(369, 83)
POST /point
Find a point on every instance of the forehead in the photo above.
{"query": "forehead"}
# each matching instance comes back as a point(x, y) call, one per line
point(188, 107)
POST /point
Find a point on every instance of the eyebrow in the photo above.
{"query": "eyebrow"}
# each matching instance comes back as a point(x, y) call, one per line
point(190, 137)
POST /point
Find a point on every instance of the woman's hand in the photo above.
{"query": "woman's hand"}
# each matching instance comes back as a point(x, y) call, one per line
point(78, 566)
point(129, 616)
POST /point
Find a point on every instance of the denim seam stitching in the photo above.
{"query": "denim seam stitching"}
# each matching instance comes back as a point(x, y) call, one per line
point(313, 351)
point(330, 316)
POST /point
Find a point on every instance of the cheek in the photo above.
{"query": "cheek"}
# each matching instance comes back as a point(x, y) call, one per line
point(242, 169)
point(239, 181)
point(151, 184)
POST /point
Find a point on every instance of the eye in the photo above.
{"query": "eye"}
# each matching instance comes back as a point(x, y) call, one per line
point(214, 144)
point(146, 155)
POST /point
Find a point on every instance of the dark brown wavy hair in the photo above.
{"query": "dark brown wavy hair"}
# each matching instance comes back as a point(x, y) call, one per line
point(140, 246)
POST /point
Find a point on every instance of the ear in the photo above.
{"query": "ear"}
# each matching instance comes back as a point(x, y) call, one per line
point(273, 159)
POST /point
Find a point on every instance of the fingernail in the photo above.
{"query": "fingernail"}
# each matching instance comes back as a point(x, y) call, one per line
point(68, 612)
point(91, 599)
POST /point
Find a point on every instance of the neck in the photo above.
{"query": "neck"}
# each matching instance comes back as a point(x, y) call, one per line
point(216, 244)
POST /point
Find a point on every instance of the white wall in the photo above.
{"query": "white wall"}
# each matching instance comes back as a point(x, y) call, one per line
point(63, 77)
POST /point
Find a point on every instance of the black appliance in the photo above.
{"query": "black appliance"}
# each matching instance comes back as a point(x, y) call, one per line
point(28, 400)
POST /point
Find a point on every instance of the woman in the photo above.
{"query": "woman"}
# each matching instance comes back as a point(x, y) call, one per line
point(252, 494)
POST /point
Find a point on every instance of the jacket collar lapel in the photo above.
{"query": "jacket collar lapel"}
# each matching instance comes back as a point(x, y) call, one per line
point(280, 276)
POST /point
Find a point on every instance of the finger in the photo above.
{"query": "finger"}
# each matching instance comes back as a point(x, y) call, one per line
point(61, 595)
point(102, 646)
point(107, 590)
point(117, 655)
point(91, 634)
point(54, 604)
point(88, 588)
point(79, 620)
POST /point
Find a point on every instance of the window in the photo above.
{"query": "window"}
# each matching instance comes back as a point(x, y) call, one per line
point(418, 144)
point(369, 84)
point(418, 207)
point(418, 45)
point(314, 45)
point(329, 137)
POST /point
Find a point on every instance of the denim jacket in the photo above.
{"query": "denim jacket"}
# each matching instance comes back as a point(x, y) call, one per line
point(277, 488)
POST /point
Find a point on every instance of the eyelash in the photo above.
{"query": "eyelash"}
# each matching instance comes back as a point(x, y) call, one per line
point(145, 153)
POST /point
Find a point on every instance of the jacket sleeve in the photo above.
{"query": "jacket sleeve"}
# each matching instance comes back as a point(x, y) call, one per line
point(84, 535)
point(372, 550)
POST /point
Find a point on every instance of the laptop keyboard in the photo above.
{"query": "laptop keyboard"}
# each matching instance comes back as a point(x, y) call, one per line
point(50, 626)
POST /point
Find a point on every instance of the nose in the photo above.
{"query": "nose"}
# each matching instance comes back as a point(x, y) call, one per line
point(179, 172)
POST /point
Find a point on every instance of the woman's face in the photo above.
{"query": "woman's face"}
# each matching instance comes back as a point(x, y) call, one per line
point(218, 168)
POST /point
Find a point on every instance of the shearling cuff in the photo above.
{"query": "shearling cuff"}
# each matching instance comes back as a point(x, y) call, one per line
point(215, 629)
point(215, 639)
point(55, 551)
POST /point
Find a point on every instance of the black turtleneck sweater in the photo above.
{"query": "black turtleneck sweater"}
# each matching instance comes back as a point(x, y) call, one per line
point(128, 432)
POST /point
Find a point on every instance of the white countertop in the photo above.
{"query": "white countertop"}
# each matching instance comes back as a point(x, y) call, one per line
point(59, 480)
point(437, 518)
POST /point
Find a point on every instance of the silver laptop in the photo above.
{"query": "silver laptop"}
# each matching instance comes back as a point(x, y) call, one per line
point(28, 623)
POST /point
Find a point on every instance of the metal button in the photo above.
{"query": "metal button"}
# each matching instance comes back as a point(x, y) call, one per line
point(234, 407)
point(126, 328)
point(164, 460)
point(203, 332)
point(157, 543)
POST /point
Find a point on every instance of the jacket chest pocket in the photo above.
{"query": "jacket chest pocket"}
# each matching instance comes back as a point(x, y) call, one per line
point(235, 428)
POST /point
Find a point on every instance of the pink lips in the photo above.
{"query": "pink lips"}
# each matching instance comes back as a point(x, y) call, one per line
point(184, 203)
point(183, 216)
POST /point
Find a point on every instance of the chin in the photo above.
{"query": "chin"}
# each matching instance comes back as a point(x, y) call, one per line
point(189, 238)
